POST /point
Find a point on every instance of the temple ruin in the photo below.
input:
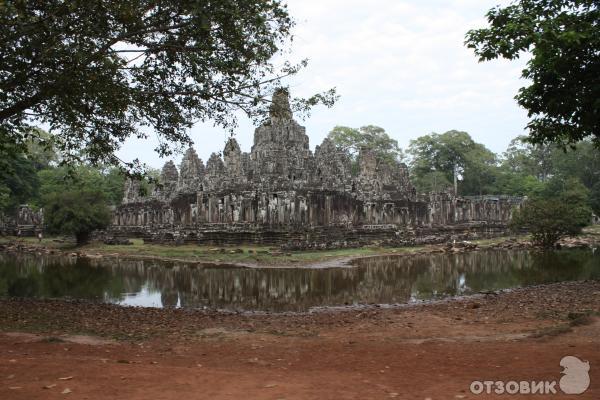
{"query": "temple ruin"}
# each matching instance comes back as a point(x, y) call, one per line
point(283, 193)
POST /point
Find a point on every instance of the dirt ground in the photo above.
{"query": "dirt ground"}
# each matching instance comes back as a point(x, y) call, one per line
point(59, 349)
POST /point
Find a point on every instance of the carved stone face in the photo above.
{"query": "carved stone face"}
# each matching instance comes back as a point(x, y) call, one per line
point(169, 173)
point(280, 109)
point(233, 157)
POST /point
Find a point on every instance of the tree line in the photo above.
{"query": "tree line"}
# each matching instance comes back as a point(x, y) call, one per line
point(523, 169)
point(77, 197)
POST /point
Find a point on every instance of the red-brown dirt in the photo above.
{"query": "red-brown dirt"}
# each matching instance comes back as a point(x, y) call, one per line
point(416, 352)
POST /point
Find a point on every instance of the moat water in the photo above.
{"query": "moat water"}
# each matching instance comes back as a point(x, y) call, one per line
point(375, 280)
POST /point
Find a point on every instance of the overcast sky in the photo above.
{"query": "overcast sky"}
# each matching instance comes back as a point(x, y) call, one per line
point(397, 64)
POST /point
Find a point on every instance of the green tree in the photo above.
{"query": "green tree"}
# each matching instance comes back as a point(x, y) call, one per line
point(19, 164)
point(547, 220)
point(99, 71)
point(516, 184)
point(375, 138)
point(570, 191)
point(4, 197)
point(595, 198)
point(113, 184)
point(524, 158)
point(40, 149)
point(76, 213)
point(435, 157)
point(18, 180)
point(480, 172)
point(431, 181)
point(109, 181)
point(562, 36)
point(560, 209)
point(580, 161)
point(371, 137)
point(526, 168)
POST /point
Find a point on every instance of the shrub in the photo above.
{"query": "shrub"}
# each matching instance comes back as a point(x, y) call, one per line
point(76, 213)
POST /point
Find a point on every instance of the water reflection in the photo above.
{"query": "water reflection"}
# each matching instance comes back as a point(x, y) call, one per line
point(373, 280)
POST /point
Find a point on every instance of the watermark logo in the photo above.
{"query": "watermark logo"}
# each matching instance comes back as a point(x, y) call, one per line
point(575, 380)
point(576, 377)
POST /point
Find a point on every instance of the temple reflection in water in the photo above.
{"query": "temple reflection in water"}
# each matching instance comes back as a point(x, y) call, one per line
point(383, 280)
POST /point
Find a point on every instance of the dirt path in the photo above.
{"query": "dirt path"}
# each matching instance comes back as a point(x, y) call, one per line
point(426, 351)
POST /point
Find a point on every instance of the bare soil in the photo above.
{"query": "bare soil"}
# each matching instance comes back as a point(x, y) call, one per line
point(58, 349)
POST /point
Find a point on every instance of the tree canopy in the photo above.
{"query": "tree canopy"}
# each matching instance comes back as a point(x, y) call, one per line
point(435, 157)
point(75, 198)
point(372, 137)
point(18, 180)
point(563, 38)
point(76, 213)
point(529, 169)
point(31, 175)
point(84, 178)
point(99, 72)
point(560, 209)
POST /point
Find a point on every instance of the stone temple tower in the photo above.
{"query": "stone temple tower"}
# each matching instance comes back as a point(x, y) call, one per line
point(191, 171)
point(169, 178)
point(232, 156)
point(281, 152)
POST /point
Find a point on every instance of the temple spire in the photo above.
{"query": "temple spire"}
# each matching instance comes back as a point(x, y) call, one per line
point(280, 109)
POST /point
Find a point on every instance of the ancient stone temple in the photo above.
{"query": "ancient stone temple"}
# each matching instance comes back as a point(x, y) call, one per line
point(283, 193)
point(24, 222)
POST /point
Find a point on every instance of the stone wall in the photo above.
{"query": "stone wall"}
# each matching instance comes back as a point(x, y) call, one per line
point(281, 192)
point(24, 222)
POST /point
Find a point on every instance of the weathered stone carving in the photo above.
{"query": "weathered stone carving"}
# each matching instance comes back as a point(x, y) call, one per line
point(192, 171)
point(281, 192)
point(333, 167)
point(280, 109)
point(131, 194)
point(25, 222)
point(280, 156)
point(169, 179)
point(215, 172)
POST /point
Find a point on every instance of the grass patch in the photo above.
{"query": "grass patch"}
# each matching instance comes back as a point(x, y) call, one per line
point(231, 254)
